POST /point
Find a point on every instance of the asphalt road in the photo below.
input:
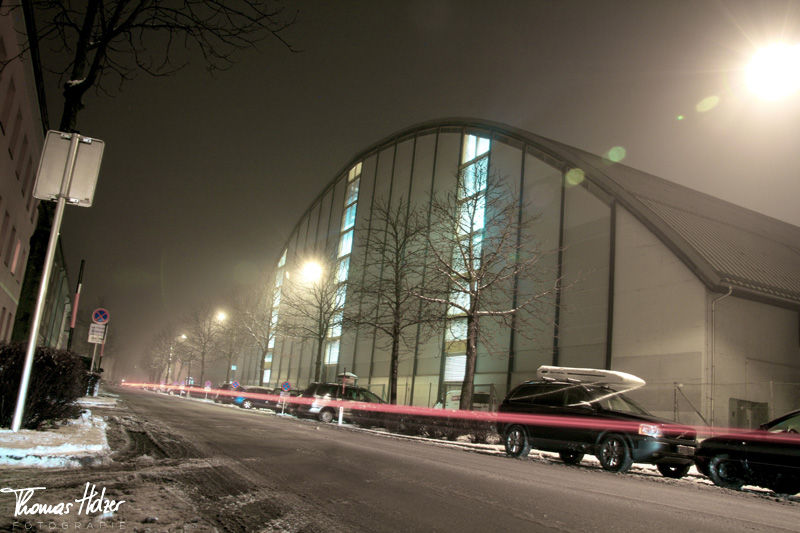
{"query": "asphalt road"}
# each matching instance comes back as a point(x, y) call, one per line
point(258, 467)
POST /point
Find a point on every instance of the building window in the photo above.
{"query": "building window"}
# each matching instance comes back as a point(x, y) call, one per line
point(10, 247)
point(455, 367)
point(15, 260)
point(332, 352)
point(5, 115)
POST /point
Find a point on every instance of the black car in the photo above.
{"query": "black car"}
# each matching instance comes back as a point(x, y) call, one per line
point(574, 418)
point(322, 401)
point(767, 457)
point(254, 397)
point(224, 393)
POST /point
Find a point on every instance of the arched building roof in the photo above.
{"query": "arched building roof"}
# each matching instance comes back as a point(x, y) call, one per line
point(725, 245)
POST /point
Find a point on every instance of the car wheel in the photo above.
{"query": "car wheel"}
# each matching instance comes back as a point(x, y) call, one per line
point(516, 441)
point(725, 472)
point(614, 454)
point(571, 457)
point(674, 471)
point(247, 404)
point(326, 416)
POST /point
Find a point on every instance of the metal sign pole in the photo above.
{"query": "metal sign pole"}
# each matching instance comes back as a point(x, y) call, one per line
point(48, 266)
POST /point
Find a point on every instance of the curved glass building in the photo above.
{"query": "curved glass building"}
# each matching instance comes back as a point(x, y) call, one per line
point(695, 295)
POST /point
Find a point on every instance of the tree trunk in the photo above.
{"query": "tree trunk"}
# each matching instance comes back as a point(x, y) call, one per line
point(318, 369)
point(395, 365)
point(468, 387)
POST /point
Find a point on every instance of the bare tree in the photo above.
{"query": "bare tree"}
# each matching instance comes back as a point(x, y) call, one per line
point(103, 44)
point(230, 341)
point(252, 310)
point(478, 252)
point(394, 246)
point(311, 306)
point(204, 327)
point(161, 353)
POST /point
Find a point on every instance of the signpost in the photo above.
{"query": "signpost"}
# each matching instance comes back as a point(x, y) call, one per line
point(67, 172)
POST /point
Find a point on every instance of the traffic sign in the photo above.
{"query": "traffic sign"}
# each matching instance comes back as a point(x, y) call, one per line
point(100, 316)
point(235, 384)
point(286, 386)
point(97, 333)
point(208, 384)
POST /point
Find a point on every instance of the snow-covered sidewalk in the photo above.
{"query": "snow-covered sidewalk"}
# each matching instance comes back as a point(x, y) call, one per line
point(79, 442)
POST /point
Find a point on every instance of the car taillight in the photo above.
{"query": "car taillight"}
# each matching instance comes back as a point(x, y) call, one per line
point(650, 430)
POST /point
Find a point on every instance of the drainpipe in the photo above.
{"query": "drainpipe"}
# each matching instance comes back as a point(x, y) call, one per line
point(713, 333)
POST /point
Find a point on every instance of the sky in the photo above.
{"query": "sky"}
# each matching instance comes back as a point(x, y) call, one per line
point(203, 178)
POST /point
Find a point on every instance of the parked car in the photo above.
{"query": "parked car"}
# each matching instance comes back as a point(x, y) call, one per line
point(322, 401)
point(582, 415)
point(222, 397)
point(254, 397)
point(767, 457)
point(284, 404)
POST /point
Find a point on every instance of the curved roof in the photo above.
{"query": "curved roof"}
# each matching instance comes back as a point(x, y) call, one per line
point(725, 245)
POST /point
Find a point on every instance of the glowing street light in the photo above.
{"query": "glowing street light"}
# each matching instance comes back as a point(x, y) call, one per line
point(774, 71)
point(311, 272)
point(221, 316)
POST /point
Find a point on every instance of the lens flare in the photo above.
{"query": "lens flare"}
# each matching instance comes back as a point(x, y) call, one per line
point(575, 176)
point(617, 154)
point(707, 104)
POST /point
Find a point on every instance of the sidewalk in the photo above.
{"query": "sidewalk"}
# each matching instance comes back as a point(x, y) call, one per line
point(80, 442)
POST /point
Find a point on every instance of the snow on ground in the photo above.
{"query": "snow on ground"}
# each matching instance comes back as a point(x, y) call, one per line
point(80, 442)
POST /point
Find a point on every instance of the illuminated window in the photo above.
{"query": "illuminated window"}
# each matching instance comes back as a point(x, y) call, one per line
point(349, 218)
point(455, 367)
point(332, 352)
point(346, 243)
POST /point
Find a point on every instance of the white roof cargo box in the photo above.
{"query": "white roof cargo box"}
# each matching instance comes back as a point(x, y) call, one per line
point(620, 380)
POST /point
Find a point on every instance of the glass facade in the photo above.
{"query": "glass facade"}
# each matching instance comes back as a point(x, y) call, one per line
point(572, 220)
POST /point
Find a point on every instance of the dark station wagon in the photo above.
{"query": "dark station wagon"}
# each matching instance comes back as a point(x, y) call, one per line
point(573, 418)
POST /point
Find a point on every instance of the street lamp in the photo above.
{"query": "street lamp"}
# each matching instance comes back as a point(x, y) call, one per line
point(774, 71)
point(311, 272)
point(171, 347)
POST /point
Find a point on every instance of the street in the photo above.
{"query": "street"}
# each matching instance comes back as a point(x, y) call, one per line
point(237, 470)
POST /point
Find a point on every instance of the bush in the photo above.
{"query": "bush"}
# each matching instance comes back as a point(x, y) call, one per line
point(58, 378)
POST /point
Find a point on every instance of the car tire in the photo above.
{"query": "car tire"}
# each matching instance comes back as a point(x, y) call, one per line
point(571, 457)
point(674, 471)
point(614, 454)
point(725, 472)
point(247, 404)
point(516, 441)
point(326, 416)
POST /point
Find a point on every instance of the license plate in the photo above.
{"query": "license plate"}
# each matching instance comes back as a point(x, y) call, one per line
point(685, 450)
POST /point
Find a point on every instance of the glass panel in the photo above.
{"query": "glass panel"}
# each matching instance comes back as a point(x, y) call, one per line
point(460, 298)
point(354, 172)
point(343, 269)
point(352, 192)
point(268, 357)
point(332, 352)
point(349, 218)
point(475, 147)
point(341, 295)
point(455, 367)
point(336, 326)
point(472, 215)
point(474, 178)
point(346, 243)
point(456, 330)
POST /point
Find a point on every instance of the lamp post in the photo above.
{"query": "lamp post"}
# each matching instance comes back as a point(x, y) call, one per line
point(171, 349)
